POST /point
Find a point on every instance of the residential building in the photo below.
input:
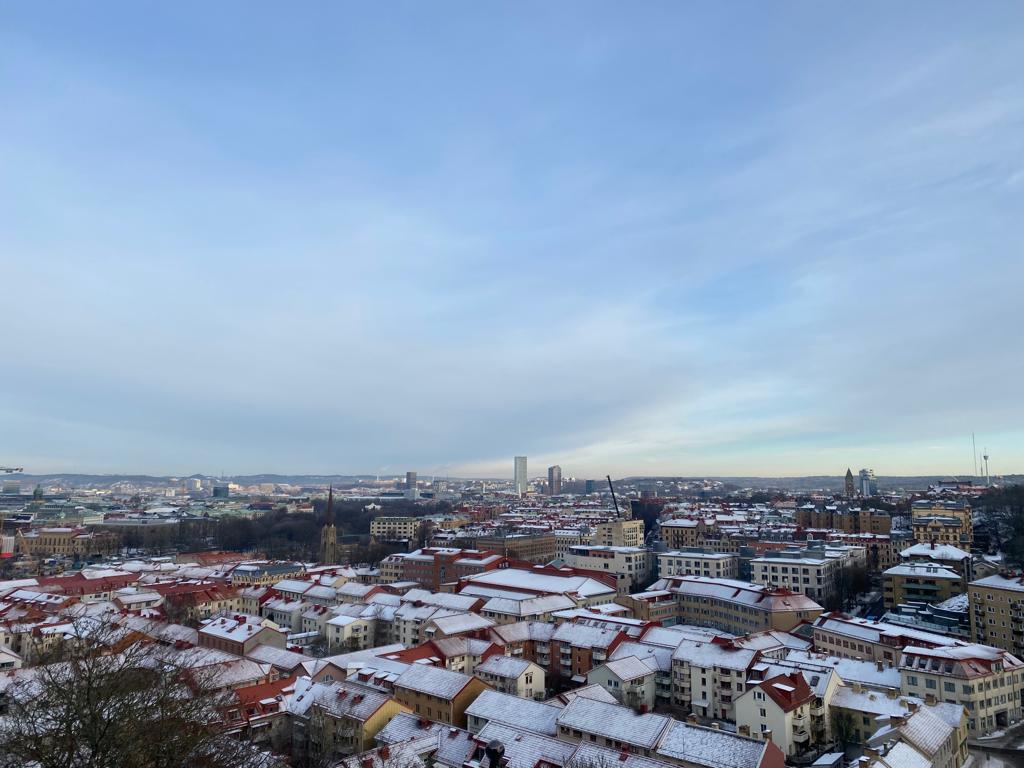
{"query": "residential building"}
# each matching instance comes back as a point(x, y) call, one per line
point(987, 681)
point(438, 694)
point(809, 573)
point(240, 633)
point(631, 680)
point(997, 612)
point(853, 638)
point(736, 606)
point(620, 532)
point(780, 707)
point(434, 566)
point(920, 582)
point(536, 547)
point(707, 677)
point(631, 566)
point(943, 522)
point(698, 562)
point(395, 528)
point(514, 676)
point(926, 736)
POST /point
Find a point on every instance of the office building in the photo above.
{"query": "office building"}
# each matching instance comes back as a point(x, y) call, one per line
point(554, 480)
point(520, 475)
point(410, 481)
point(868, 483)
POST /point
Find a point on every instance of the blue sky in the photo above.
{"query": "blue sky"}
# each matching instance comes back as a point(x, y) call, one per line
point(673, 238)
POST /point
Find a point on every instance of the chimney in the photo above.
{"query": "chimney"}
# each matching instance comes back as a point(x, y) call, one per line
point(929, 699)
point(871, 752)
point(691, 719)
point(767, 735)
point(912, 706)
point(891, 693)
point(384, 752)
point(856, 688)
point(716, 726)
point(744, 730)
point(879, 666)
point(897, 721)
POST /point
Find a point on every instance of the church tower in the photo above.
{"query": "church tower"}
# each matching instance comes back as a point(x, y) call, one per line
point(850, 492)
point(329, 534)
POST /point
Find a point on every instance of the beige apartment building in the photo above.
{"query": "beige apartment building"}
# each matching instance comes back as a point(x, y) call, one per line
point(816, 577)
point(854, 638)
point(395, 528)
point(736, 606)
point(698, 562)
point(997, 612)
point(925, 582)
point(618, 533)
point(987, 681)
point(631, 566)
point(944, 522)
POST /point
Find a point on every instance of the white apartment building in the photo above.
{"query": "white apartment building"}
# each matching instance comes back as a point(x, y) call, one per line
point(816, 577)
point(632, 566)
point(715, 565)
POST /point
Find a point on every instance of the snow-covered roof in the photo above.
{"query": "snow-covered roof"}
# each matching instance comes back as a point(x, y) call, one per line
point(923, 570)
point(542, 583)
point(936, 552)
point(504, 666)
point(582, 636)
point(630, 668)
point(527, 750)
point(710, 747)
point(527, 714)
point(849, 670)
point(613, 721)
point(715, 655)
point(461, 622)
point(529, 605)
point(432, 680)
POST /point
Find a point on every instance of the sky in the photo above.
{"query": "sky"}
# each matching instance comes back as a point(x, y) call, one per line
point(664, 238)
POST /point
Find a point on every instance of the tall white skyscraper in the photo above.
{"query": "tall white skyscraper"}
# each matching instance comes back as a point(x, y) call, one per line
point(520, 475)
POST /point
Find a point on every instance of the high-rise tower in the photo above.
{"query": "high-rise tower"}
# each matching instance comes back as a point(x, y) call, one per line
point(520, 475)
point(554, 480)
point(329, 534)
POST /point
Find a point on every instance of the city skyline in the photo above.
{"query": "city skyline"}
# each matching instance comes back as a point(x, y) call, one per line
point(643, 241)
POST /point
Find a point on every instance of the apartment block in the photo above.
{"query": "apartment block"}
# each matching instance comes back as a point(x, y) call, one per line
point(631, 566)
point(698, 562)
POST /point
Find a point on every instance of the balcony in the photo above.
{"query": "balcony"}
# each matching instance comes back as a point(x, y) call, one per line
point(801, 735)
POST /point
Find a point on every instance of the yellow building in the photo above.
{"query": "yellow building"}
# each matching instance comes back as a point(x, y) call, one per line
point(618, 533)
point(925, 582)
point(438, 694)
point(77, 542)
point(997, 612)
point(944, 522)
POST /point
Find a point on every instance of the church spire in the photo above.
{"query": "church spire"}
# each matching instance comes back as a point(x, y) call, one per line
point(329, 520)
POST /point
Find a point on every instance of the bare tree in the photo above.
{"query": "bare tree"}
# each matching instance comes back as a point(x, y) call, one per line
point(104, 701)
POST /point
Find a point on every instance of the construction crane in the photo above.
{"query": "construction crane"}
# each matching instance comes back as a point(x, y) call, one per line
point(614, 500)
